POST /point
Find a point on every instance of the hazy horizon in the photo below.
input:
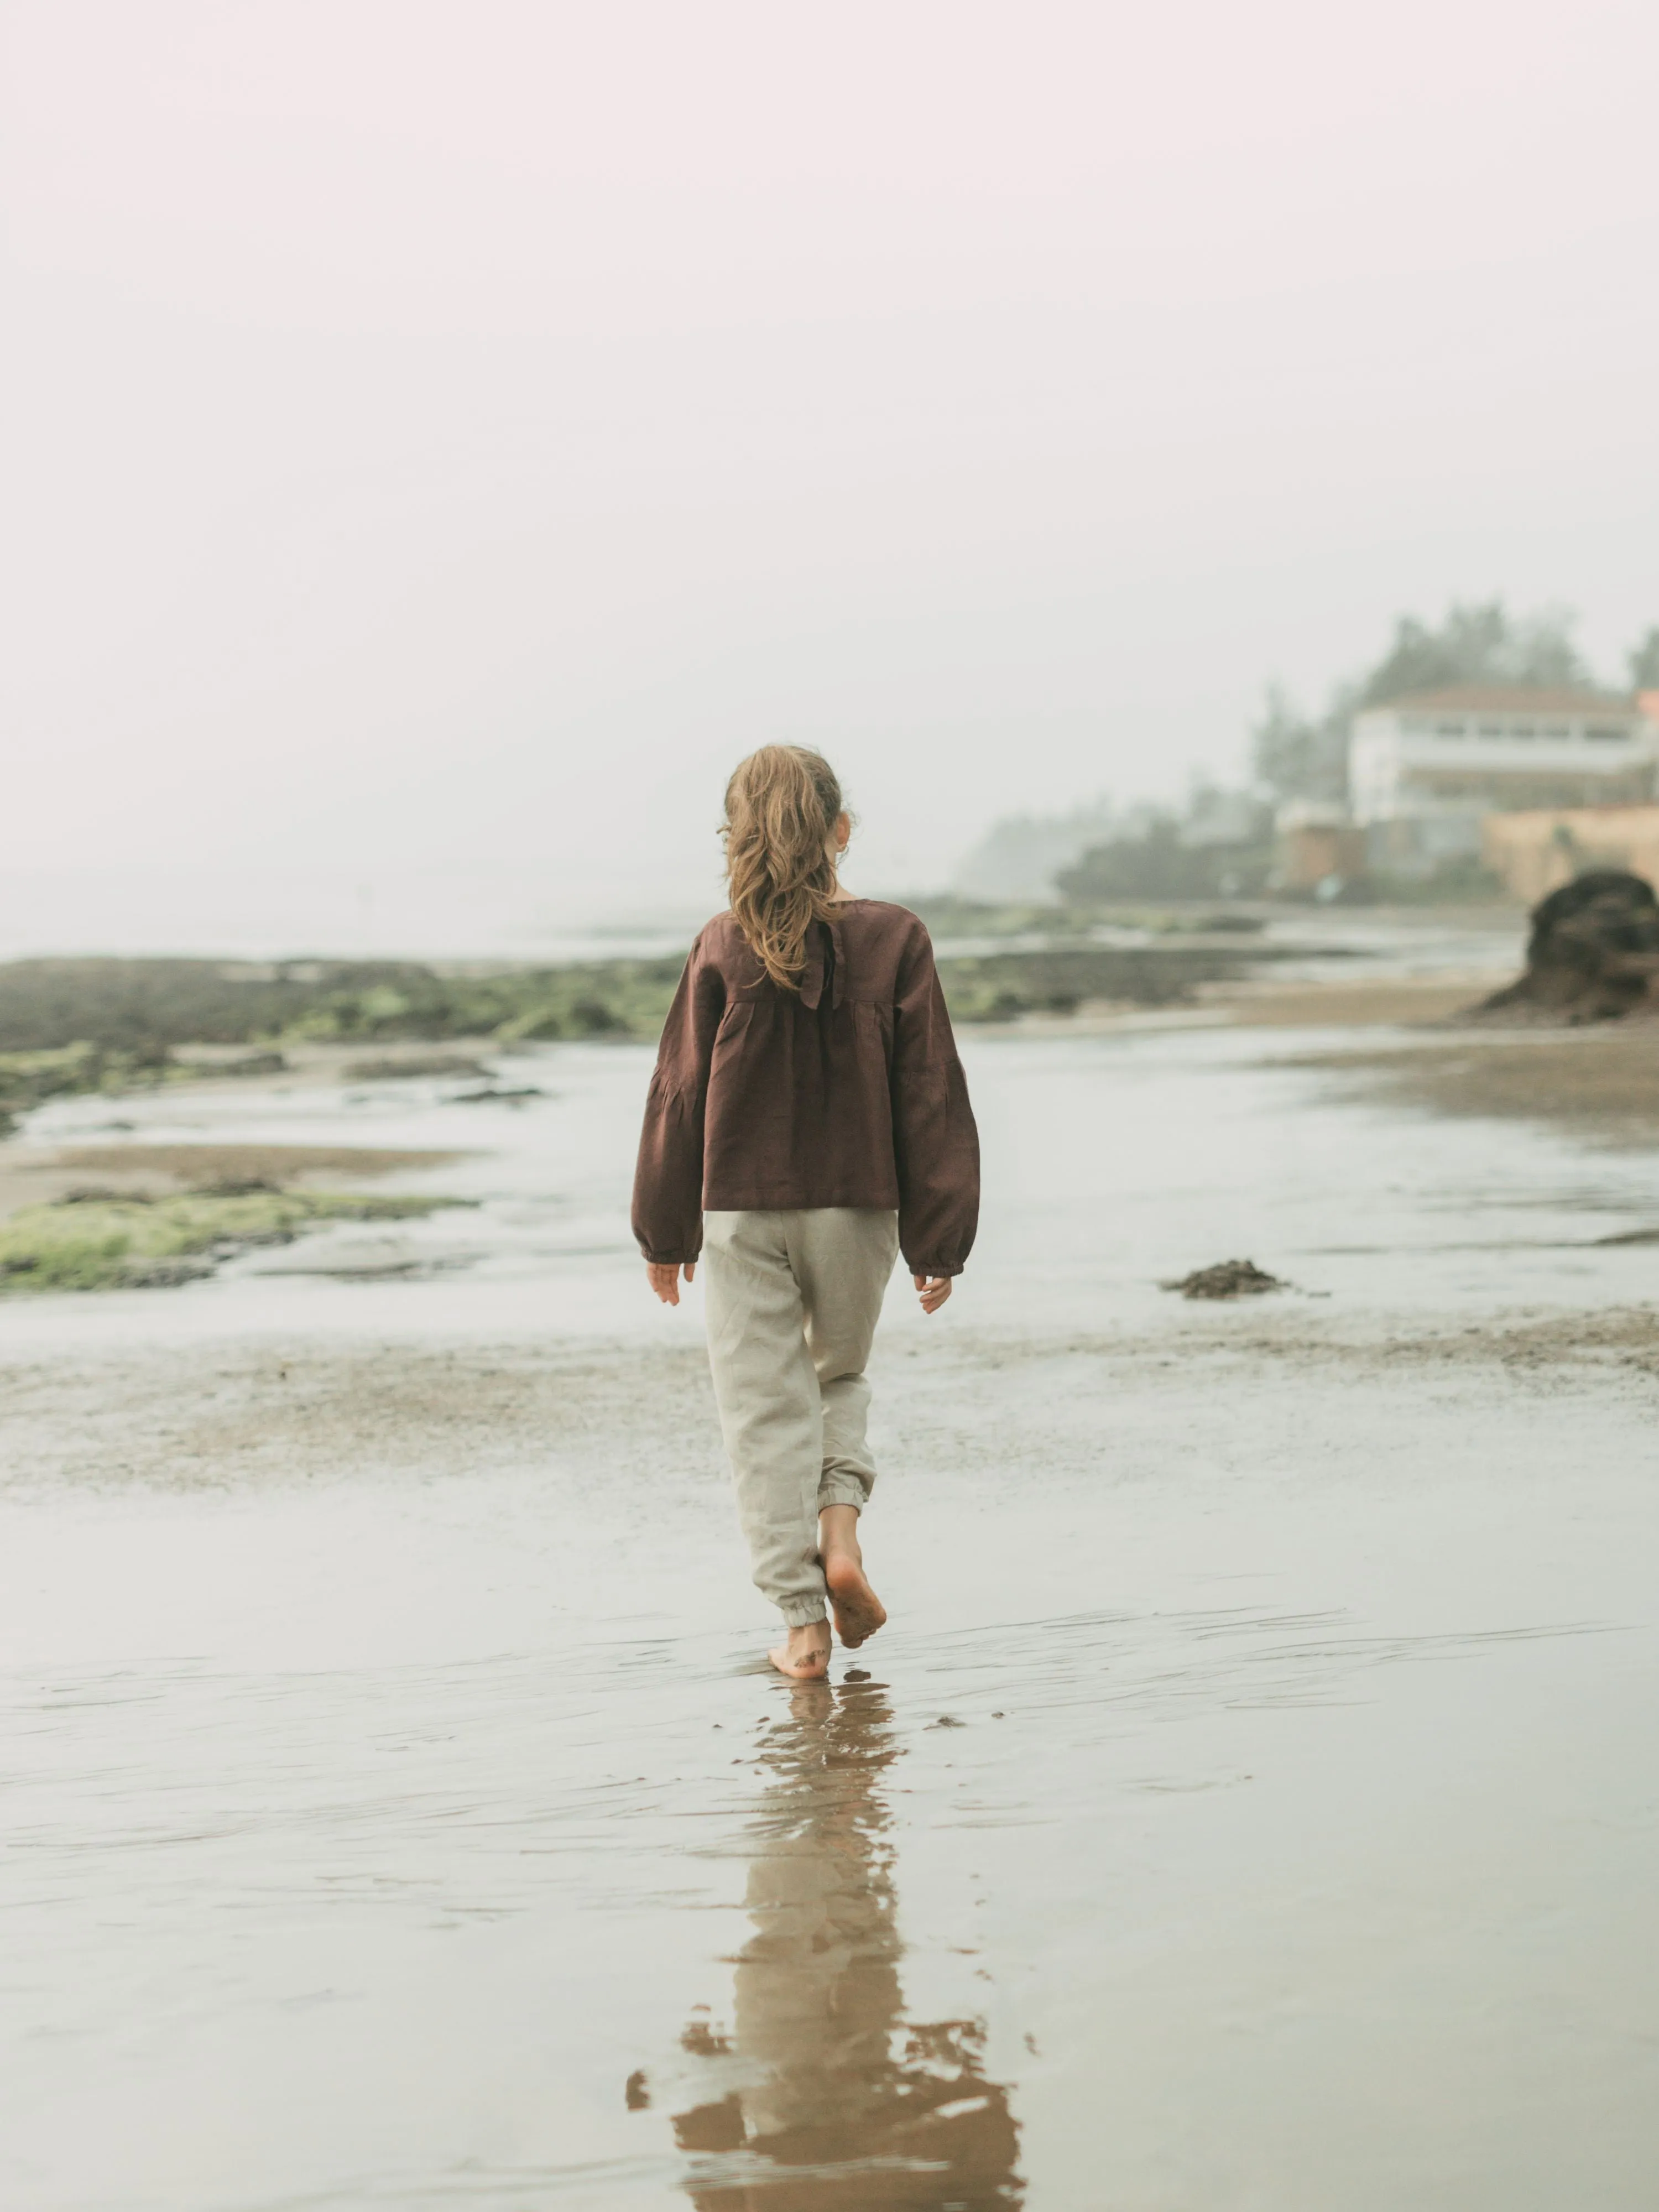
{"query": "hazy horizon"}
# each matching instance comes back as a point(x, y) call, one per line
point(445, 439)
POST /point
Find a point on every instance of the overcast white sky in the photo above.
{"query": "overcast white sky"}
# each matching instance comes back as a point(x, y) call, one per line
point(450, 432)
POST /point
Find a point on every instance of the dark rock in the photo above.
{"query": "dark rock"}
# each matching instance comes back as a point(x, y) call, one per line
point(166, 1274)
point(1593, 954)
point(403, 1071)
point(247, 1063)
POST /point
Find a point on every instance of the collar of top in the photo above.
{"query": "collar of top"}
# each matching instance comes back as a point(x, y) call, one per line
point(824, 951)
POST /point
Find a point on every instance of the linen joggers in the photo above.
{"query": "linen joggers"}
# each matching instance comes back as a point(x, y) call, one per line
point(791, 1303)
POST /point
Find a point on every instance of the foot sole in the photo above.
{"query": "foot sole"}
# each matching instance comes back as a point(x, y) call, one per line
point(859, 1612)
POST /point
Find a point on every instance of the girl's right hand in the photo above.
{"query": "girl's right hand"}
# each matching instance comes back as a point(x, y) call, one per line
point(664, 1280)
point(935, 1289)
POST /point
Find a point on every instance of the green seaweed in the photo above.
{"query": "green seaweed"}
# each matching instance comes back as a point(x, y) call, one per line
point(28, 1078)
point(63, 1021)
point(103, 1240)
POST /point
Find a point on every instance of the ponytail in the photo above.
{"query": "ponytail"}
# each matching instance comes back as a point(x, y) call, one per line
point(782, 807)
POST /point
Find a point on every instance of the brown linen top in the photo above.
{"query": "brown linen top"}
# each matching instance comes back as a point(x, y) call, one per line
point(848, 1093)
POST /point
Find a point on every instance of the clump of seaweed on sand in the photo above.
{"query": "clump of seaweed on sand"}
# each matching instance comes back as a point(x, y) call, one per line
point(75, 1026)
point(1227, 1279)
point(95, 1239)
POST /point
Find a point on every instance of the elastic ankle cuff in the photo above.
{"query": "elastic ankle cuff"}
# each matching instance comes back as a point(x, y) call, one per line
point(802, 1612)
point(842, 1490)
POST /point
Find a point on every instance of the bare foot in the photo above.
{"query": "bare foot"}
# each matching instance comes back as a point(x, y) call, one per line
point(859, 1612)
point(805, 1656)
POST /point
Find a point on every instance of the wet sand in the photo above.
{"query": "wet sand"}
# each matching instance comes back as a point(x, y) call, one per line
point(1249, 1804)
point(41, 1174)
point(1601, 1082)
point(1356, 1006)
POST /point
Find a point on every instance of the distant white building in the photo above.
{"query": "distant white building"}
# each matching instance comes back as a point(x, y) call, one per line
point(1424, 768)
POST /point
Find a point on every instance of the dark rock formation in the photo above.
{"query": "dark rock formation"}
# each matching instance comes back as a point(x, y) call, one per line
point(1228, 1279)
point(1593, 954)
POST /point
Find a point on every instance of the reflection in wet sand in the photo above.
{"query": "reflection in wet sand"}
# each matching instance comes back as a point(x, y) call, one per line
point(824, 2096)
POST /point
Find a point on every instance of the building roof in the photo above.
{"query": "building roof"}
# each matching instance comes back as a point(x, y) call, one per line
point(1508, 699)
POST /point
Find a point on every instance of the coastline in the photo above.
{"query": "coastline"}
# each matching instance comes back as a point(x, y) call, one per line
point(1257, 1744)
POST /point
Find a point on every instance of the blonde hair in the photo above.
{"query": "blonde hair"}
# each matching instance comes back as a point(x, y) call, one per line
point(781, 807)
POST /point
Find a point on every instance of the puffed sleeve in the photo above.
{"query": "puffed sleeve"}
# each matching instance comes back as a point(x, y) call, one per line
point(934, 1137)
point(668, 1178)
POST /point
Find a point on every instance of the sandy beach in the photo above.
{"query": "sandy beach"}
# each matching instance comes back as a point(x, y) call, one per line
point(1250, 1803)
point(575, 567)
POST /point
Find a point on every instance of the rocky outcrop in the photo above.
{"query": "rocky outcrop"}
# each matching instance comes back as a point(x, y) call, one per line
point(1593, 954)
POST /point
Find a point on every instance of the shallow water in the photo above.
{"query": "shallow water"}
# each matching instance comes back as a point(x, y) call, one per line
point(1113, 1162)
point(1250, 1805)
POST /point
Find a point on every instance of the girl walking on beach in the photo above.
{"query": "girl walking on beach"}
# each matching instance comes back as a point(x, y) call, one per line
point(807, 1121)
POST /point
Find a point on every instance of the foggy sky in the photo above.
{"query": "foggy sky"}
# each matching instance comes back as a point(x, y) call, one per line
point(446, 433)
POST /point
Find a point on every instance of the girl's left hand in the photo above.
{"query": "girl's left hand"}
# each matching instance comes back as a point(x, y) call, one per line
point(666, 1280)
point(935, 1289)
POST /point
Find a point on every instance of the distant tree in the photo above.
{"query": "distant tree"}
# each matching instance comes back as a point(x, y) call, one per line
point(1152, 865)
point(1298, 755)
point(1018, 856)
point(1480, 643)
point(1644, 662)
point(1160, 860)
point(1282, 744)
